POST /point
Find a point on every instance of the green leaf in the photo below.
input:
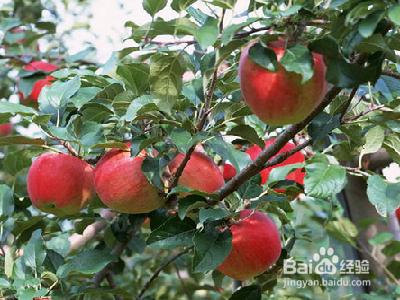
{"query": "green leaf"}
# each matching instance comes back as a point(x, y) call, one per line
point(190, 203)
point(280, 173)
point(14, 109)
point(226, 150)
point(251, 292)
point(248, 133)
point(323, 180)
point(298, 59)
point(392, 248)
point(211, 248)
point(392, 146)
point(343, 230)
point(83, 96)
point(264, 57)
point(373, 141)
point(59, 244)
point(367, 26)
point(207, 34)
point(136, 76)
point(394, 14)
point(6, 201)
point(139, 105)
point(376, 43)
point(153, 6)
point(212, 214)
point(173, 233)
point(322, 125)
point(229, 32)
point(226, 4)
point(381, 238)
point(34, 251)
point(20, 140)
point(18, 160)
point(87, 262)
point(383, 195)
point(182, 139)
point(54, 98)
point(180, 5)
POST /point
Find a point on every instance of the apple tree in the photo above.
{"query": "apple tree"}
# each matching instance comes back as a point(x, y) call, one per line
point(205, 156)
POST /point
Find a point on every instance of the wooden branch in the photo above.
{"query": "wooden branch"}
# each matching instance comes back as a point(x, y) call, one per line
point(158, 271)
point(260, 162)
point(391, 74)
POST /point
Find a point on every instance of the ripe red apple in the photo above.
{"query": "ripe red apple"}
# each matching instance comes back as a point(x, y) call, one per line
point(256, 246)
point(61, 184)
point(228, 171)
point(38, 86)
point(36, 66)
point(5, 129)
point(297, 175)
point(398, 214)
point(200, 173)
point(279, 98)
point(122, 186)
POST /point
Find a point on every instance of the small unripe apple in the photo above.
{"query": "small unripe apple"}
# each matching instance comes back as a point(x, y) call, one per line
point(122, 186)
point(296, 175)
point(280, 98)
point(256, 246)
point(200, 173)
point(228, 171)
point(61, 184)
point(5, 129)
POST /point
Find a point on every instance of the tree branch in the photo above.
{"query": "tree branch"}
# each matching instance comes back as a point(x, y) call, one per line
point(158, 271)
point(260, 162)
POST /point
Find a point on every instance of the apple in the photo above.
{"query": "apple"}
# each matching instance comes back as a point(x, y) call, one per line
point(38, 66)
point(5, 129)
point(228, 171)
point(38, 86)
point(398, 214)
point(279, 98)
point(256, 246)
point(200, 173)
point(61, 184)
point(121, 184)
point(298, 157)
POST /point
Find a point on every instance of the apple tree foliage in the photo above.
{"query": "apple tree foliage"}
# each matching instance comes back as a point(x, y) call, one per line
point(172, 95)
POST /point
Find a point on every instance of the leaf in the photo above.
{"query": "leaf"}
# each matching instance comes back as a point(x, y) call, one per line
point(20, 140)
point(207, 34)
point(212, 214)
point(87, 262)
point(251, 292)
point(180, 5)
point(153, 6)
point(323, 180)
point(373, 141)
point(264, 57)
point(343, 230)
point(189, 203)
point(211, 248)
point(229, 32)
point(14, 109)
point(376, 43)
point(280, 173)
point(381, 238)
point(322, 125)
point(392, 248)
point(136, 76)
point(173, 233)
point(83, 96)
point(394, 14)
point(182, 139)
point(383, 195)
point(6, 201)
point(248, 133)
point(54, 98)
point(138, 105)
point(367, 26)
point(392, 146)
point(34, 251)
point(298, 59)
point(389, 87)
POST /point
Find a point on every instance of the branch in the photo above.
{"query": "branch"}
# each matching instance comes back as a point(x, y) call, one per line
point(260, 163)
point(158, 271)
point(77, 241)
point(362, 114)
point(391, 74)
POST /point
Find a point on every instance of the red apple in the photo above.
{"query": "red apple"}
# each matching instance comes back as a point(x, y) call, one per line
point(297, 175)
point(61, 184)
point(38, 86)
point(122, 186)
point(256, 246)
point(5, 129)
point(279, 98)
point(229, 171)
point(200, 173)
point(36, 66)
point(398, 214)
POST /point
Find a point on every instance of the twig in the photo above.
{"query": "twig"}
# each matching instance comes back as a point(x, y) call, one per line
point(391, 74)
point(348, 102)
point(362, 114)
point(260, 162)
point(158, 271)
